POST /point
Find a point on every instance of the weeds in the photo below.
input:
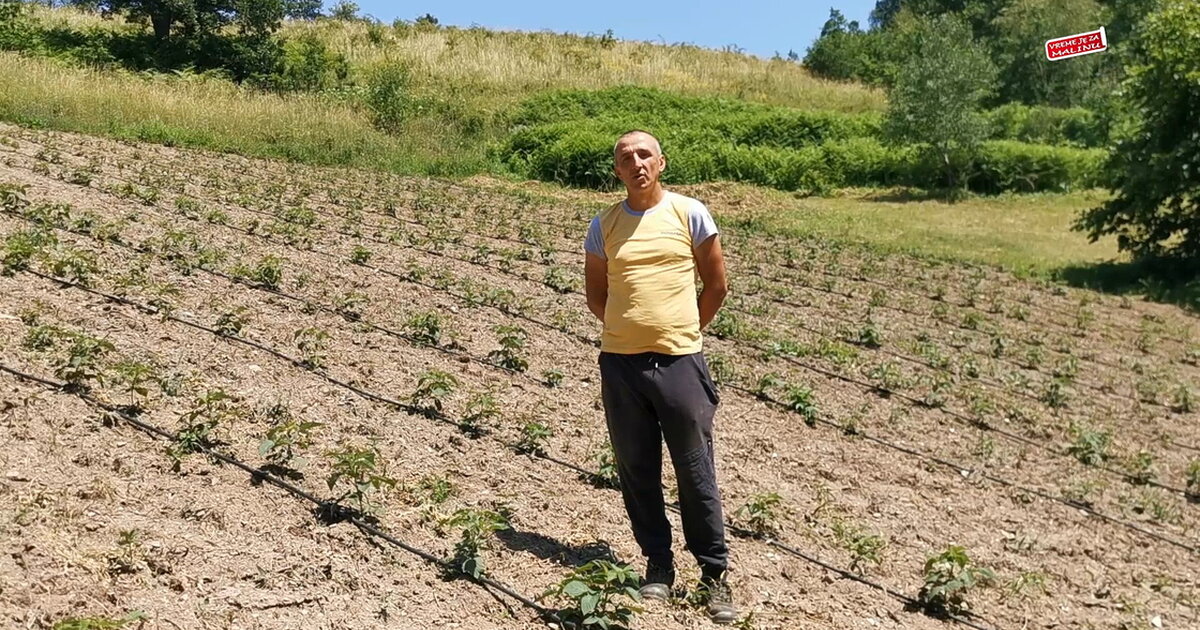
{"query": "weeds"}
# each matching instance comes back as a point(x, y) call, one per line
point(42, 337)
point(1021, 586)
point(359, 470)
point(949, 578)
point(596, 595)
point(268, 272)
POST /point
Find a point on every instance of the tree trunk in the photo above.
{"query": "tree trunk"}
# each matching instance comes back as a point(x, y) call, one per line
point(162, 25)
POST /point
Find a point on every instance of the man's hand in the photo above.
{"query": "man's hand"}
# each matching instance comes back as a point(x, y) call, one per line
point(595, 274)
point(711, 265)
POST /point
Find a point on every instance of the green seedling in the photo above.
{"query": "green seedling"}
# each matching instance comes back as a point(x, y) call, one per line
point(198, 424)
point(425, 328)
point(82, 363)
point(553, 377)
point(559, 279)
point(134, 377)
point(231, 323)
point(481, 409)
point(284, 439)
point(99, 623)
point(360, 255)
point(598, 595)
point(432, 390)
point(1193, 479)
point(534, 436)
point(312, 343)
point(359, 470)
point(949, 578)
point(1090, 445)
point(761, 514)
point(606, 469)
point(512, 341)
point(800, 399)
point(439, 489)
point(478, 526)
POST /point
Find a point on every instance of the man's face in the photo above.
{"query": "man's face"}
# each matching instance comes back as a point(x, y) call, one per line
point(639, 162)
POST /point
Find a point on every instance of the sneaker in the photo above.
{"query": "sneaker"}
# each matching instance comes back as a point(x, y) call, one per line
point(658, 582)
point(719, 598)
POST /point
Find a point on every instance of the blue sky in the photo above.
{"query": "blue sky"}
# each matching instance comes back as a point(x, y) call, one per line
point(760, 28)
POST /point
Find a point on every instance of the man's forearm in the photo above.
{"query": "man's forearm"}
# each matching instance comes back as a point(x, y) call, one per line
point(710, 301)
point(596, 306)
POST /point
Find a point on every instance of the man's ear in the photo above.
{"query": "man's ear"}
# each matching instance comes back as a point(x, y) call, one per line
point(662, 163)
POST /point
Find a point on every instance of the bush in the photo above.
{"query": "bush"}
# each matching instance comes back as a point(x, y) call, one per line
point(1075, 126)
point(307, 64)
point(388, 96)
point(1007, 165)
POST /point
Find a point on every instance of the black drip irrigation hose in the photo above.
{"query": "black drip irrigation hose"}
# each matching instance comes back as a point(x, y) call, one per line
point(414, 410)
point(548, 223)
point(331, 507)
point(961, 419)
point(909, 601)
point(913, 401)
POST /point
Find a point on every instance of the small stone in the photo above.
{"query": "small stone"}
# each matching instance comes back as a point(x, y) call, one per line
point(1156, 621)
point(13, 475)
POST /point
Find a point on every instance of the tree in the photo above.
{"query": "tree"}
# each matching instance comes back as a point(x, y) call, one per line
point(302, 9)
point(937, 94)
point(1155, 171)
point(1022, 28)
point(198, 16)
point(344, 10)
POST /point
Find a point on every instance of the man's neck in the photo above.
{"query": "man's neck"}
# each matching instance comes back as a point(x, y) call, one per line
point(643, 200)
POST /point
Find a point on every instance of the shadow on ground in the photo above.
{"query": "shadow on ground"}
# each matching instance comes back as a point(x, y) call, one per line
point(1166, 281)
point(552, 549)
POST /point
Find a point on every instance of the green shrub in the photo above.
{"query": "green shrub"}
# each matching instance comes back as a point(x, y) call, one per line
point(1074, 126)
point(307, 64)
point(1016, 166)
point(389, 97)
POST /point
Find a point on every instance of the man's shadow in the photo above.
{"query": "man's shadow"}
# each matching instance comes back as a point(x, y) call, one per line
point(548, 548)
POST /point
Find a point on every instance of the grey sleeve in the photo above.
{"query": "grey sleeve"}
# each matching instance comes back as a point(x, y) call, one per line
point(701, 224)
point(594, 243)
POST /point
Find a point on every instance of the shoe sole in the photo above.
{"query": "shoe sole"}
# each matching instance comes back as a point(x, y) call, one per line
point(724, 618)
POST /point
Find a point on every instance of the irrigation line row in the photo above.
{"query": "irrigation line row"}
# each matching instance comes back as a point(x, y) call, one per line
point(222, 199)
point(326, 506)
point(906, 599)
point(468, 188)
point(413, 410)
point(913, 401)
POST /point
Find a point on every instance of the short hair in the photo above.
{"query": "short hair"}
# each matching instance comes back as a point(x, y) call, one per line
point(657, 145)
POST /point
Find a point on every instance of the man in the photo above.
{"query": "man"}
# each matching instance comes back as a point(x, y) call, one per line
point(641, 263)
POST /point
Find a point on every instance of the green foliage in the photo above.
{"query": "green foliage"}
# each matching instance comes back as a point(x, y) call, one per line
point(596, 596)
point(949, 577)
point(360, 255)
point(360, 470)
point(389, 96)
point(478, 526)
point(937, 96)
point(134, 377)
point(1006, 165)
point(1040, 124)
point(560, 280)
point(1193, 479)
point(800, 399)
point(432, 389)
point(606, 475)
point(1155, 169)
point(553, 377)
point(198, 423)
point(481, 408)
point(1140, 467)
point(425, 328)
point(761, 514)
point(82, 362)
point(267, 272)
point(93, 623)
point(284, 438)
point(439, 489)
point(512, 341)
point(534, 436)
point(306, 63)
point(1090, 445)
point(42, 337)
point(312, 343)
point(231, 323)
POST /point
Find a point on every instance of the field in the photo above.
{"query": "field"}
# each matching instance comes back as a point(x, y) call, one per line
point(896, 405)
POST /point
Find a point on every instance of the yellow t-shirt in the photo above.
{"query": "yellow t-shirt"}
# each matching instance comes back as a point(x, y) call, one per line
point(651, 274)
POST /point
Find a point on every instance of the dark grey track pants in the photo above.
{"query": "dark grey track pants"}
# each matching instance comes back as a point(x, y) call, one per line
point(650, 397)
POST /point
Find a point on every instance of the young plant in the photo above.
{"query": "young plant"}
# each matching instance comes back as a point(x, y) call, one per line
point(360, 255)
point(512, 341)
point(76, 265)
point(869, 336)
point(43, 337)
point(862, 545)
point(1141, 467)
point(761, 514)
point(534, 436)
point(425, 328)
point(352, 305)
point(949, 577)
point(312, 343)
point(553, 377)
point(360, 471)
point(478, 526)
point(1090, 446)
point(198, 424)
point(283, 439)
point(21, 248)
point(606, 469)
point(99, 623)
point(1193, 480)
point(268, 272)
point(800, 399)
point(597, 595)
point(82, 363)
point(231, 323)
point(558, 279)
point(134, 377)
point(481, 408)
point(432, 389)
point(766, 383)
point(439, 489)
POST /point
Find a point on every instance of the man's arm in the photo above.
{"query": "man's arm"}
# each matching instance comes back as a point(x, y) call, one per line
point(595, 274)
point(711, 265)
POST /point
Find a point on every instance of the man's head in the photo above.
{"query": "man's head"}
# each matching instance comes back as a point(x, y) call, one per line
point(638, 160)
